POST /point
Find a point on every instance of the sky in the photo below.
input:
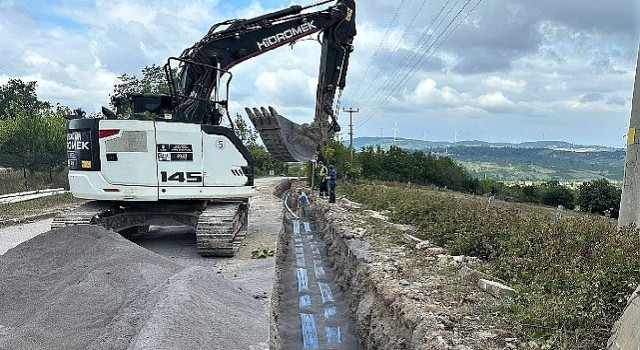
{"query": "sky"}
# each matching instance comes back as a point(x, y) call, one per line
point(438, 70)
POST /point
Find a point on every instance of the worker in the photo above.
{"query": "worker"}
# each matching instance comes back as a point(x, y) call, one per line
point(333, 181)
point(303, 204)
point(323, 172)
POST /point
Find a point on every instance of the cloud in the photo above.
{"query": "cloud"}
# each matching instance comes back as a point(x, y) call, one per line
point(427, 93)
point(616, 101)
point(509, 63)
point(494, 101)
point(591, 97)
point(288, 87)
point(501, 84)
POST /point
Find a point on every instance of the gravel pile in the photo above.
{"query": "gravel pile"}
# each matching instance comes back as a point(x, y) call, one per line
point(85, 287)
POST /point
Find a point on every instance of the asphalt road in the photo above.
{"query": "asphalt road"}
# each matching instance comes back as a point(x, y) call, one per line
point(11, 236)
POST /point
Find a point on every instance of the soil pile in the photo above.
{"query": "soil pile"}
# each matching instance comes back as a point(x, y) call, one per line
point(85, 287)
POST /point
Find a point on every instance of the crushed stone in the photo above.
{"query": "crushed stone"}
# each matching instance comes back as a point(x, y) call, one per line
point(85, 287)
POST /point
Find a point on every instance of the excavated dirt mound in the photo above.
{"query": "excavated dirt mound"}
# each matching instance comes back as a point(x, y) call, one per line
point(85, 287)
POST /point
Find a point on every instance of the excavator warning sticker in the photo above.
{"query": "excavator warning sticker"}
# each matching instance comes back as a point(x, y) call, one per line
point(175, 152)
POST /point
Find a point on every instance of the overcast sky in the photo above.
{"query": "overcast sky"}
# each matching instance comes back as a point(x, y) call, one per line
point(444, 70)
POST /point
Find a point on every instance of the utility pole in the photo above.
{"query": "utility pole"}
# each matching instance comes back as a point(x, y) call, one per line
point(350, 110)
point(630, 201)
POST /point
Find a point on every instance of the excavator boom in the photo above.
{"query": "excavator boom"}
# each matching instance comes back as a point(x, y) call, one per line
point(203, 65)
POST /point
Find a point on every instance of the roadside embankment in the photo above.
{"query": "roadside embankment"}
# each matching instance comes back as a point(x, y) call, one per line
point(406, 295)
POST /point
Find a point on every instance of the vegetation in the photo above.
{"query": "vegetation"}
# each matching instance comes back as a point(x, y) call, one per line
point(572, 276)
point(397, 164)
point(418, 168)
point(536, 161)
point(32, 132)
point(599, 196)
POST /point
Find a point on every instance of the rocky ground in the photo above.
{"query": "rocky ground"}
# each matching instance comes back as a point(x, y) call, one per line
point(406, 293)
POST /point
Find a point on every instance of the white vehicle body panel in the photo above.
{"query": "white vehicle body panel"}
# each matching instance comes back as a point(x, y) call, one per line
point(144, 160)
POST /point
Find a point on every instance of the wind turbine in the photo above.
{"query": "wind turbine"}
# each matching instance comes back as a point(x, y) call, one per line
point(395, 131)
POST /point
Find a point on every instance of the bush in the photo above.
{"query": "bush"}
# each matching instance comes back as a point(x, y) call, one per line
point(572, 277)
point(599, 196)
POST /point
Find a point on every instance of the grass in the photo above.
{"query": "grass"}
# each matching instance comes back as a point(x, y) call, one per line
point(572, 277)
point(12, 181)
point(38, 206)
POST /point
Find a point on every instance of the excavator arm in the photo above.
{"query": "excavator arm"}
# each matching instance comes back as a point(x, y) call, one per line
point(202, 67)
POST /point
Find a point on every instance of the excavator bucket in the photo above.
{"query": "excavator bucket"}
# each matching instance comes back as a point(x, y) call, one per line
point(285, 140)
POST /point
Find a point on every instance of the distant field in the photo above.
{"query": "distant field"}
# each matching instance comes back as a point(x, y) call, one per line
point(534, 161)
point(517, 172)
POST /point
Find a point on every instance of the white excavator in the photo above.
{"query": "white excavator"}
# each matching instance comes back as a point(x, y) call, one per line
point(162, 159)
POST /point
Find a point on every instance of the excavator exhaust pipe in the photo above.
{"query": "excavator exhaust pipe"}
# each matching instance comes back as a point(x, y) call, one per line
point(285, 140)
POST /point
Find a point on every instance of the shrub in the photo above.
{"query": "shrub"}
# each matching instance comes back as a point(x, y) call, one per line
point(573, 277)
point(599, 196)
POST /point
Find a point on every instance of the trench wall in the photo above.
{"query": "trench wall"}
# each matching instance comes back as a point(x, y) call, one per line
point(385, 314)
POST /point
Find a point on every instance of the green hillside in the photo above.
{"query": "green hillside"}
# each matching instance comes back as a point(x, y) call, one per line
point(535, 161)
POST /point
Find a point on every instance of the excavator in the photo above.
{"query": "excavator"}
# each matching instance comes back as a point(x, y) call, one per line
point(161, 159)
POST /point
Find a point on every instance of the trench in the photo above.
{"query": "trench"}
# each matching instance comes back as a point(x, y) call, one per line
point(311, 309)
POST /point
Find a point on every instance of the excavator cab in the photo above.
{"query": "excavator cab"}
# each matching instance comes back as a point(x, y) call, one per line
point(144, 106)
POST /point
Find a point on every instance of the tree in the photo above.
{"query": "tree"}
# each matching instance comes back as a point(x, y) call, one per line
point(153, 81)
point(32, 132)
point(18, 98)
point(553, 193)
point(245, 132)
point(54, 142)
point(599, 196)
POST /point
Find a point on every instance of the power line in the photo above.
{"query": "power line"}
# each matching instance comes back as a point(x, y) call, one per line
point(393, 84)
point(395, 49)
point(375, 53)
point(408, 57)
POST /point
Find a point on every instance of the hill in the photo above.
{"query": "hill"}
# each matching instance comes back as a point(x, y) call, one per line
point(535, 161)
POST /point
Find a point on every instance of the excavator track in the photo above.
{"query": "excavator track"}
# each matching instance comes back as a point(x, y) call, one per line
point(221, 228)
point(86, 214)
